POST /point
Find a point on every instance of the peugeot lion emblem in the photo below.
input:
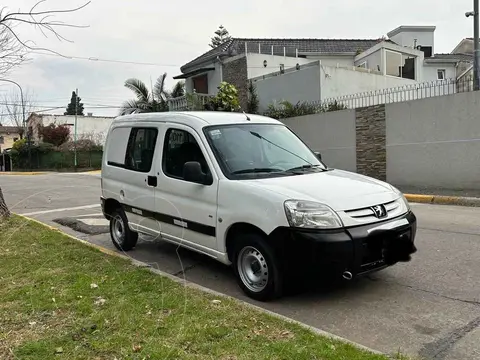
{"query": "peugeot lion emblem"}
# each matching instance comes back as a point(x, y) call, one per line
point(379, 211)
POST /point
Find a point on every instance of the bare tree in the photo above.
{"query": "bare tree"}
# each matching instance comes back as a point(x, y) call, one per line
point(14, 49)
point(14, 108)
point(4, 212)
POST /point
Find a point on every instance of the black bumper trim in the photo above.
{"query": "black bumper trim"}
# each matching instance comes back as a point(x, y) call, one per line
point(360, 249)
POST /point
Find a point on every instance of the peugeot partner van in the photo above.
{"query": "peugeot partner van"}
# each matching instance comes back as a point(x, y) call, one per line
point(246, 191)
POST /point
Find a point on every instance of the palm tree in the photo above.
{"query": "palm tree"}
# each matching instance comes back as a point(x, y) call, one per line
point(156, 101)
point(178, 90)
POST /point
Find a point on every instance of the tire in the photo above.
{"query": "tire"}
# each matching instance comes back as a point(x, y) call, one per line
point(123, 238)
point(252, 254)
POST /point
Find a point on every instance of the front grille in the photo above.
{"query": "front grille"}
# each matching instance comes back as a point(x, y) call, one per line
point(366, 214)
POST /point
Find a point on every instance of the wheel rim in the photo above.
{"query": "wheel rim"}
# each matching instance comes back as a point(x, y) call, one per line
point(118, 230)
point(253, 269)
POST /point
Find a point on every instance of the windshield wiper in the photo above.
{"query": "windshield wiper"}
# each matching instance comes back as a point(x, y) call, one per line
point(306, 167)
point(256, 170)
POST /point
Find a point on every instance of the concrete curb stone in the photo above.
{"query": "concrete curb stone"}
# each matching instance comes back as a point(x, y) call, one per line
point(443, 200)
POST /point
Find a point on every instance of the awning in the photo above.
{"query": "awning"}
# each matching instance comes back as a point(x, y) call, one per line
point(193, 73)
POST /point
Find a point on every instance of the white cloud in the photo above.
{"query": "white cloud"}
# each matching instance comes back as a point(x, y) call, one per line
point(173, 33)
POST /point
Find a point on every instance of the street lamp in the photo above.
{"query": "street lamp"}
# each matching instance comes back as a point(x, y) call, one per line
point(23, 117)
point(476, 54)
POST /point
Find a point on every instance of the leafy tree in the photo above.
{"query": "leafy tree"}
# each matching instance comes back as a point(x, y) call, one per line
point(221, 35)
point(71, 108)
point(253, 102)
point(156, 101)
point(55, 134)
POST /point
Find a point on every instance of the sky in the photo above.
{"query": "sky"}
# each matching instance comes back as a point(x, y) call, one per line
point(161, 36)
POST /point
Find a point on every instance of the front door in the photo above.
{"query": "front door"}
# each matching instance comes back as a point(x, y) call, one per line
point(187, 211)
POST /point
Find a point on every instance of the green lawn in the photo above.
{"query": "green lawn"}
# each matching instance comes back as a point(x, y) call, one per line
point(63, 300)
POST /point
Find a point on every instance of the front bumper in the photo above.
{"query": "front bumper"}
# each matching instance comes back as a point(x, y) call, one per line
point(359, 250)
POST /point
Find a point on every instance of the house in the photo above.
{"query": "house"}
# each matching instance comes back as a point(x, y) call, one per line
point(89, 127)
point(8, 135)
point(343, 66)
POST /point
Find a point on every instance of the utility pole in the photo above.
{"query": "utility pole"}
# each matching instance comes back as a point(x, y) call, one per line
point(75, 131)
point(476, 53)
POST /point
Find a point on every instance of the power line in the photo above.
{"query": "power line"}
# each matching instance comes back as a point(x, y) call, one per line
point(105, 60)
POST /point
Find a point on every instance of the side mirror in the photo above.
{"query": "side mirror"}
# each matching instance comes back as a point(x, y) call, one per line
point(192, 171)
point(318, 155)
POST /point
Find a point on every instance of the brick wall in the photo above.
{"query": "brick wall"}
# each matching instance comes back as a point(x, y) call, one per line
point(371, 150)
point(235, 73)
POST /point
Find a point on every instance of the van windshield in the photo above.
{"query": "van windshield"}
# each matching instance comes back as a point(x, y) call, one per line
point(260, 150)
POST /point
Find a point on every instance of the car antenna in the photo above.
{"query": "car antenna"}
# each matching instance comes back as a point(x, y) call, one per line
point(246, 116)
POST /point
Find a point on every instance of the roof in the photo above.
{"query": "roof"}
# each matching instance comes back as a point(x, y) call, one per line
point(9, 130)
point(450, 58)
point(197, 119)
point(236, 46)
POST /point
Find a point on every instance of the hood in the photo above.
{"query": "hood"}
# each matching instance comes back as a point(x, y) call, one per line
point(341, 190)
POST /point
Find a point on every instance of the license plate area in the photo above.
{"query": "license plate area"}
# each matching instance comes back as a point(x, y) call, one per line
point(378, 248)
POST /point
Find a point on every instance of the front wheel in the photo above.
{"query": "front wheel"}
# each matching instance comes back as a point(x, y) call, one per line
point(123, 238)
point(257, 268)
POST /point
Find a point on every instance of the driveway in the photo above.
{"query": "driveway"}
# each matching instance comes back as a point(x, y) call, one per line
point(428, 307)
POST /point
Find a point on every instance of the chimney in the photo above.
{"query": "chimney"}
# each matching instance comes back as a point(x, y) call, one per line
point(89, 114)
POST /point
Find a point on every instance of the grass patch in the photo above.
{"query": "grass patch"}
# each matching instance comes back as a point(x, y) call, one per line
point(63, 300)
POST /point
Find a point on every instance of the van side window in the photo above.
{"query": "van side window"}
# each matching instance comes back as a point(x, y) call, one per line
point(181, 147)
point(140, 149)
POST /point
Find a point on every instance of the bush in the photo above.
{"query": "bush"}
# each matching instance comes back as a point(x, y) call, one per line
point(81, 145)
point(226, 99)
point(287, 109)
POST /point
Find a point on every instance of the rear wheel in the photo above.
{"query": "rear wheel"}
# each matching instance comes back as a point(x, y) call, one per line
point(257, 268)
point(123, 238)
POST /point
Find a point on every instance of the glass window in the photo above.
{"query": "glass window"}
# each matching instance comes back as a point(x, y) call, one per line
point(141, 148)
point(256, 150)
point(394, 63)
point(441, 74)
point(181, 147)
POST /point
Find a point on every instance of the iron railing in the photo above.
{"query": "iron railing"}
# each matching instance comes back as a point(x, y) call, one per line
point(400, 93)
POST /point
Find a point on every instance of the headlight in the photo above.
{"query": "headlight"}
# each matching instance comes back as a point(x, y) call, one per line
point(402, 196)
point(311, 215)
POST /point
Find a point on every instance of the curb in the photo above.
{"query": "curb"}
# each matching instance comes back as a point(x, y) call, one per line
point(209, 291)
point(443, 200)
point(11, 173)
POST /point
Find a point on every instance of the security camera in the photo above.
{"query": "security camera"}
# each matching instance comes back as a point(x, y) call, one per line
point(469, 13)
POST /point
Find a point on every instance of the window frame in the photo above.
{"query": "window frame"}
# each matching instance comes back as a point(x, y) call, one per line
point(443, 72)
point(165, 150)
point(131, 139)
point(362, 65)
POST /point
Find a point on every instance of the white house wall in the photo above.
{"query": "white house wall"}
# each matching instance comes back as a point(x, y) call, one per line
point(337, 82)
point(255, 66)
point(407, 39)
point(94, 128)
point(301, 85)
point(430, 71)
point(341, 61)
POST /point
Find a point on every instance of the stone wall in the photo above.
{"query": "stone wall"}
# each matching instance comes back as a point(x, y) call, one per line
point(235, 73)
point(371, 141)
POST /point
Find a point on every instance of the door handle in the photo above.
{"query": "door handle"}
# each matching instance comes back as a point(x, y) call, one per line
point(152, 181)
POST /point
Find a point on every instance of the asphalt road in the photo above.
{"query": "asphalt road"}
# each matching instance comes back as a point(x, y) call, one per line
point(428, 307)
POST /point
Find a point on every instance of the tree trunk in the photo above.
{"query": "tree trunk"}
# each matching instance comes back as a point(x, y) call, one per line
point(4, 212)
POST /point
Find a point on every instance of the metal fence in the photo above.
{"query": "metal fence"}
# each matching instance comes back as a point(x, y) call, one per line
point(57, 160)
point(401, 93)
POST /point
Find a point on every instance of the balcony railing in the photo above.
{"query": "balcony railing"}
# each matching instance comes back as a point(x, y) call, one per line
point(188, 102)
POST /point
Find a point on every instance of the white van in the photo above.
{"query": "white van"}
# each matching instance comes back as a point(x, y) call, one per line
point(245, 190)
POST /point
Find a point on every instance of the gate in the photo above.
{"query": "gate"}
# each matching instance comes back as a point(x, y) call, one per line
point(5, 162)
